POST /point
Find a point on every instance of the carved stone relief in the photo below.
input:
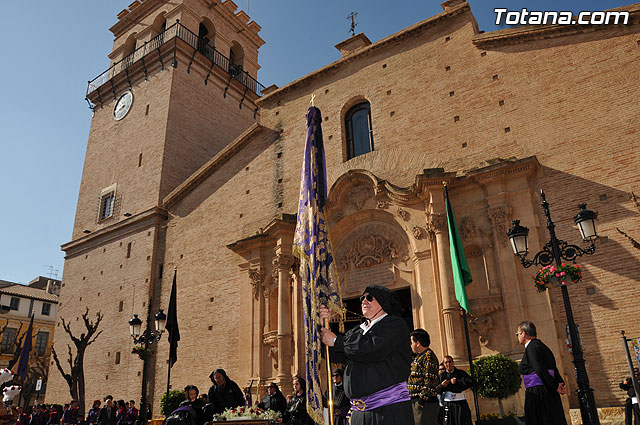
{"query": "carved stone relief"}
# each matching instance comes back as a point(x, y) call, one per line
point(359, 195)
point(481, 325)
point(281, 263)
point(473, 251)
point(436, 223)
point(382, 203)
point(418, 232)
point(403, 214)
point(480, 319)
point(499, 217)
point(270, 339)
point(467, 228)
point(256, 276)
point(371, 245)
point(338, 216)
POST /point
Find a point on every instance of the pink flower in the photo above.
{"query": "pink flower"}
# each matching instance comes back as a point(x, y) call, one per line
point(562, 273)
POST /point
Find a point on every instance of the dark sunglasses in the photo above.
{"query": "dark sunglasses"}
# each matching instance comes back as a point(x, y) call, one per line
point(367, 297)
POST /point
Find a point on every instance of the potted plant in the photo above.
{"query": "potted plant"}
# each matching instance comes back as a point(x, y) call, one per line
point(143, 353)
point(558, 275)
point(497, 377)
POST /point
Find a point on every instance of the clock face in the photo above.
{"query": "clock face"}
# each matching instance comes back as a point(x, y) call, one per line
point(123, 105)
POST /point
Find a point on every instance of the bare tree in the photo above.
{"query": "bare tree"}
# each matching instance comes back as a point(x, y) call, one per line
point(75, 377)
point(634, 242)
point(38, 369)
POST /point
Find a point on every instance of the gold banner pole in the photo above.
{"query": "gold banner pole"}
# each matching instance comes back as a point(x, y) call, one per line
point(330, 382)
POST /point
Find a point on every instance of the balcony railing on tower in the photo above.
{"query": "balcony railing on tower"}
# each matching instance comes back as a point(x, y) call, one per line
point(178, 31)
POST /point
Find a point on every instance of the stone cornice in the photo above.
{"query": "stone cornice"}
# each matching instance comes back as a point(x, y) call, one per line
point(528, 33)
point(429, 179)
point(115, 231)
point(286, 223)
point(130, 17)
point(214, 163)
point(387, 41)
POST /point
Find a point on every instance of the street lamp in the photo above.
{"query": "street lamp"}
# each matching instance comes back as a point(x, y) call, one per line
point(146, 338)
point(557, 250)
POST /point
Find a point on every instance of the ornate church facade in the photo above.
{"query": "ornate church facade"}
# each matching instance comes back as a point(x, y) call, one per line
point(193, 166)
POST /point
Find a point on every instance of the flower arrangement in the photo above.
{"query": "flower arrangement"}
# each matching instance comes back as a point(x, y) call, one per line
point(562, 275)
point(249, 413)
point(142, 352)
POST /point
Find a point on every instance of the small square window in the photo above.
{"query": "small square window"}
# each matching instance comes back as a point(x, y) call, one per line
point(7, 345)
point(46, 309)
point(106, 205)
point(42, 339)
point(107, 202)
point(15, 303)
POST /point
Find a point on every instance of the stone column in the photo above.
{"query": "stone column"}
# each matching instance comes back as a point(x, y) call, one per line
point(454, 333)
point(266, 292)
point(281, 271)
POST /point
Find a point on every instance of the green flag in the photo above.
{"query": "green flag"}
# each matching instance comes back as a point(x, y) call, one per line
point(459, 265)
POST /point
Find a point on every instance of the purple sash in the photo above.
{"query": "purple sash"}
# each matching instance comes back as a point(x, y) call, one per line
point(533, 380)
point(390, 395)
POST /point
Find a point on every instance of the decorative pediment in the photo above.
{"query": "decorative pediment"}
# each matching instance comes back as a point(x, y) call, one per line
point(371, 245)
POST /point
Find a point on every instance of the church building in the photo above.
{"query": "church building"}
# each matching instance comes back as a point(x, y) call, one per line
point(193, 166)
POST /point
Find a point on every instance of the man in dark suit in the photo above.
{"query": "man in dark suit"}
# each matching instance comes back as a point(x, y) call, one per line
point(543, 383)
point(107, 415)
point(631, 409)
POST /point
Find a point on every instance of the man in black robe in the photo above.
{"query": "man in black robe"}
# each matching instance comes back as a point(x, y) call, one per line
point(377, 359)
point(542, 380)
point(454, 404)
point(274, 399)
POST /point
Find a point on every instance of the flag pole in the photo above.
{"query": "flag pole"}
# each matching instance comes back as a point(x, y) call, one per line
point(461, 278)
point(329, 382)
point(474, 387)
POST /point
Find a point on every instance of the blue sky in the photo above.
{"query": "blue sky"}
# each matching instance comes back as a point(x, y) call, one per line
point(51, 49)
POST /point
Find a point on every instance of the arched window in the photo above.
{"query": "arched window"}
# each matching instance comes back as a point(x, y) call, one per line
point(128, 49)
point(236, 59)
point(359, 130)
point(206, 38)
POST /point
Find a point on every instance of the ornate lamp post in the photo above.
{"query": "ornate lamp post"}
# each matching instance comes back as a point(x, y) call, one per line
point(557, 250)
point(146, 338)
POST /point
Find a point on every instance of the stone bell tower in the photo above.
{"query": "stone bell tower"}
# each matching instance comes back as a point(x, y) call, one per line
point(181, 85)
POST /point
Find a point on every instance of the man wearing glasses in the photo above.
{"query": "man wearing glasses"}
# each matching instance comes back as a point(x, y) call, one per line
point(543, 383)
point(454, 383)
point(341, 403)
point(377, 360)
point(274, 399)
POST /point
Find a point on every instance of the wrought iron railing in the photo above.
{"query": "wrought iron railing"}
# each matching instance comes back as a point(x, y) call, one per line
point(177, 30)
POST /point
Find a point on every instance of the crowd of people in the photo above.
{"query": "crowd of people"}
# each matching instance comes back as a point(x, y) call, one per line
point(118, 413)
point(387, 386)
point(391, 376)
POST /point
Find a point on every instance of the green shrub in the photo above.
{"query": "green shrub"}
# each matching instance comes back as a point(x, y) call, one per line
point(497, 377)
point(168, 405)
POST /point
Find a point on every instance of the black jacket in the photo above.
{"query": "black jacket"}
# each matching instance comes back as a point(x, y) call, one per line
point(275, 402)
point(222, 398)
point(627, 385)
point(107, 419)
